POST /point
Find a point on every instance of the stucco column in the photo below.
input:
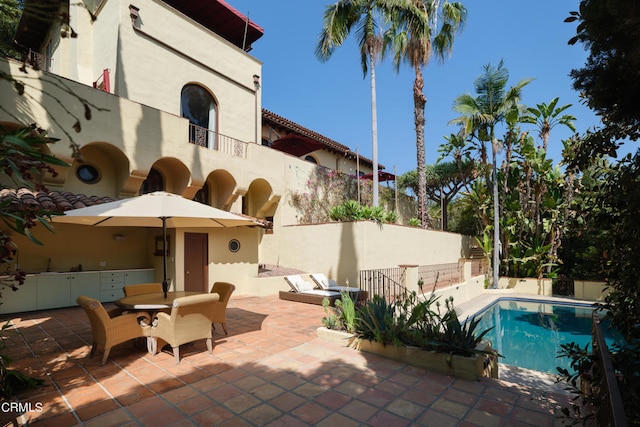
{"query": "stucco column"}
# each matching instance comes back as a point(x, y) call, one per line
point(466, 269)
point(410, 275)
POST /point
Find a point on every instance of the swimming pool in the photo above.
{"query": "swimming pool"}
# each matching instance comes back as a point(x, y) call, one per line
point(528, 333)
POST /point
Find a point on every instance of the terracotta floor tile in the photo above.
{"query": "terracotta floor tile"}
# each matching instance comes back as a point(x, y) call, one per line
point(87, 412)
point(311, 413)
point(405, 408)
point(180, 394)
point(241, 403)
point(84, 394)
point(358, 410)
point(162, 417)
point(133, 396)
point(483, 418)
point(148, 406)
point(215, 415)
point(287, 401)
point(195, 404)
point(333, 399)
point(267, 371)
point(385, 419)
point(119, 417)
point(62, 420)
point(166, 385)
point(262, 414)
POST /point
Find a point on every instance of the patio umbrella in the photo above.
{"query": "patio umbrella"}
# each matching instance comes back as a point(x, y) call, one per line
point(296, 145)
point(158, 209)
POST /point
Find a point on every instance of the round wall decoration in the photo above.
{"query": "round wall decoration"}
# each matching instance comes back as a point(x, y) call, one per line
point(234, 245)
point(88, 174)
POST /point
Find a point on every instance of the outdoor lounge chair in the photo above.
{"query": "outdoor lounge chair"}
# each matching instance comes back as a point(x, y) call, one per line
point(190, 320)
point(303, 291)
point(325, 283)
point(224, 290)
point(331, 285)
point(109, 331)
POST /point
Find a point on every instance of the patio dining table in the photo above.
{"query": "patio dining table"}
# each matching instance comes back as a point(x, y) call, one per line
point(153, 301)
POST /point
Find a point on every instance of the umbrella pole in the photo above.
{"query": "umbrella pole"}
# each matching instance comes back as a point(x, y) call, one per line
point(165, 284)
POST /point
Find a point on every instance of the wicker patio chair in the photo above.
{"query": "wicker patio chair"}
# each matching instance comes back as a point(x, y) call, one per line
point(109, 331)
point(190, 320)
point(225, 290)
point(144, 288)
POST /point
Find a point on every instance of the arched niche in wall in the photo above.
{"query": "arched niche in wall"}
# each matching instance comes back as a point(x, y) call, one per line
point(257, 196)
point(102, 169)
point(219, 188)
point(171, 172)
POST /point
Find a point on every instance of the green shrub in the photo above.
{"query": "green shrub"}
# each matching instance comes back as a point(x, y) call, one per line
point(411, 321)
point(352, 211)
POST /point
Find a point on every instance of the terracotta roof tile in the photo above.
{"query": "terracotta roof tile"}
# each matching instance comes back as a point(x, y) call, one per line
point(54, 201)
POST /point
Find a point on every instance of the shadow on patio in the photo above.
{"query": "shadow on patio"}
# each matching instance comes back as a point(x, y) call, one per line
point(270, 369)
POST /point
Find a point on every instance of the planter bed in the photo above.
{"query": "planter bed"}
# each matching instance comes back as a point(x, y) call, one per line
point(471, 368)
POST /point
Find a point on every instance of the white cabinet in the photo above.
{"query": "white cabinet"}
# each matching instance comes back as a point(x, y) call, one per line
point(111, 283)
point(85, 283)
point(53, 291)
point(24, 299)
point(132, 277)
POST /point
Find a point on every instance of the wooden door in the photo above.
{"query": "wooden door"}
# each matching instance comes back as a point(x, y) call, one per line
point(196, 262)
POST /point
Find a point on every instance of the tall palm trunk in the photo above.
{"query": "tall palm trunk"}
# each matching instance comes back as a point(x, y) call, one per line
point(374, 126)
point(496, 213)
point(419, 101)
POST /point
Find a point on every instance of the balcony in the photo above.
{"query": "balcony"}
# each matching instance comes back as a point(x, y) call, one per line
point(217, 141)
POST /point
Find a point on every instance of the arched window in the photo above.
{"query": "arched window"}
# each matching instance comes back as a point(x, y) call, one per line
point(311, 159)
point(154, 182)
point(197, 105)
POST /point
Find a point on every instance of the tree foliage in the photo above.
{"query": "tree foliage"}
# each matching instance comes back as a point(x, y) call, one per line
point(608, 82)
point(414, 41)
point(9, 18)
point(443, 182)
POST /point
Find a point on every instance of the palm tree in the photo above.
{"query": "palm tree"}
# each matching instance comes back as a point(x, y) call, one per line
point(546, 117)
point(480, 116)
point(366, 17)
point(414, 43)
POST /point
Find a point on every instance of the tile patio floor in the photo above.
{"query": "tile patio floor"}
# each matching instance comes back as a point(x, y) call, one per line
point(270, 370)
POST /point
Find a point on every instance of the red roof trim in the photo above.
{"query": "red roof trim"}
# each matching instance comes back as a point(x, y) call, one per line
point(329, 143)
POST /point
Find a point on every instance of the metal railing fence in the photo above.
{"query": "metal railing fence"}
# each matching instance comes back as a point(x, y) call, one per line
point(216, 141)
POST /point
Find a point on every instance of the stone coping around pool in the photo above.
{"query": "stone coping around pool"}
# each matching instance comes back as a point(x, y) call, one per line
point(490, 296)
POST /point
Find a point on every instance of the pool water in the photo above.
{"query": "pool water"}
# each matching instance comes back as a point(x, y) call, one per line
point(529, 333)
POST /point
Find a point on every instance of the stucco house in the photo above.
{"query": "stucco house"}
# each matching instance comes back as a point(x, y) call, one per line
point(174, 97)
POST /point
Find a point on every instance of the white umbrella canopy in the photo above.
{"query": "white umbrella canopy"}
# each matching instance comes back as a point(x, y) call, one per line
point(149, 209)
point(158, 209)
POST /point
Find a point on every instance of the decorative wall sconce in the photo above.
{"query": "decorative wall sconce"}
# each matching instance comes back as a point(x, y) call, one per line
point(158, 247)
point(134, 14)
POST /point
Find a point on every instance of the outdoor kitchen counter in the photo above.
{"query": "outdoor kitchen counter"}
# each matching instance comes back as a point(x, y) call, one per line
point(61, 289)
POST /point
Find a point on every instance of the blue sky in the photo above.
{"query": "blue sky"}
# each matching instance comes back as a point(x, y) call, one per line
point(333, 98)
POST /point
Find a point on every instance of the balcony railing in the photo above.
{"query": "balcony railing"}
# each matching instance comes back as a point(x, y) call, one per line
point(38, 61)
point(217, 141)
